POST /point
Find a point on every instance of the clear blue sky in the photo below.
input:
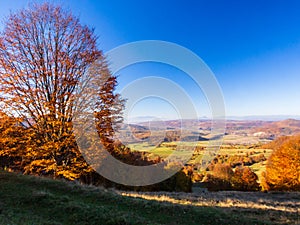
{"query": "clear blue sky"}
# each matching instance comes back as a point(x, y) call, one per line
point(253, 47)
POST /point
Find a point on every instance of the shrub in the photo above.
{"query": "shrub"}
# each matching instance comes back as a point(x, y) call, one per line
point(223, 171)
point(213, 183)
point(244, 179)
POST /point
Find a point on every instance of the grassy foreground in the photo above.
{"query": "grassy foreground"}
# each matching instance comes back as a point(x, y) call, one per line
point(35, 200)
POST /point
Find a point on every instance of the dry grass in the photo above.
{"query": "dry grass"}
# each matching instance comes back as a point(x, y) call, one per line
point(276, 208)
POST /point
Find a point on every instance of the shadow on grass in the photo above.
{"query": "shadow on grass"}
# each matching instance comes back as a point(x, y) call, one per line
point(35, 200)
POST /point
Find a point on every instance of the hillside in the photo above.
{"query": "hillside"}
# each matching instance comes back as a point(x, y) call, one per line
point(280, 128)
point(35, 200)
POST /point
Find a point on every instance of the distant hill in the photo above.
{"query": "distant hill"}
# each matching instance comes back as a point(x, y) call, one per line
point(259, 129)
point(140, 132)
point(264, 117)
point(280, 128)
point(141, 119)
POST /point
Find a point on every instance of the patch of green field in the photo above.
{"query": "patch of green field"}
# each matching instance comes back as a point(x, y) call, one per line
point(239, 150)
point(161, 151)
point(34, 200)
point(164, 150)
point(258, 168)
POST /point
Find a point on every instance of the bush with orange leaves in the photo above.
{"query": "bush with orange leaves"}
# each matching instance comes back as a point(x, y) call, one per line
point(283, 166)
point(224, 178)
point(244, 179)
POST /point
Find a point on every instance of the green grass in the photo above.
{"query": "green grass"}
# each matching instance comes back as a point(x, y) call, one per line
point(34, 200)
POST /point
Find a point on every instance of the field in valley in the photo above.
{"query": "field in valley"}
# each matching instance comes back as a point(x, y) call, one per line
point(228, 149)
point(242, 139)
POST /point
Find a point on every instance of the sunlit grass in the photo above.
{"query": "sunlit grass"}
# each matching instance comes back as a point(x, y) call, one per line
point(271, 208)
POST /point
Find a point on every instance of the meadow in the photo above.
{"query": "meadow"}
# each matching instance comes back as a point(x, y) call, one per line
point(36, 200)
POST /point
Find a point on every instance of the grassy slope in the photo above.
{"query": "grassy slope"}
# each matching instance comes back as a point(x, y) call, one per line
point(33, 200)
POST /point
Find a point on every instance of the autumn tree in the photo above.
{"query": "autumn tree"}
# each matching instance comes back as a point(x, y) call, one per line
point(44, 53)
point(283, 166)
point(244, 179)
point(220, 178)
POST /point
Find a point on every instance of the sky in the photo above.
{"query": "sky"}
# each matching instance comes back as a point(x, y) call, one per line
point(252, 48)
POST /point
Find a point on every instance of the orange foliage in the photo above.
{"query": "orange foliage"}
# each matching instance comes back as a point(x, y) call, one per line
point(244, 179)
point(13, 142)
point(283, 166)
point(44, 53)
